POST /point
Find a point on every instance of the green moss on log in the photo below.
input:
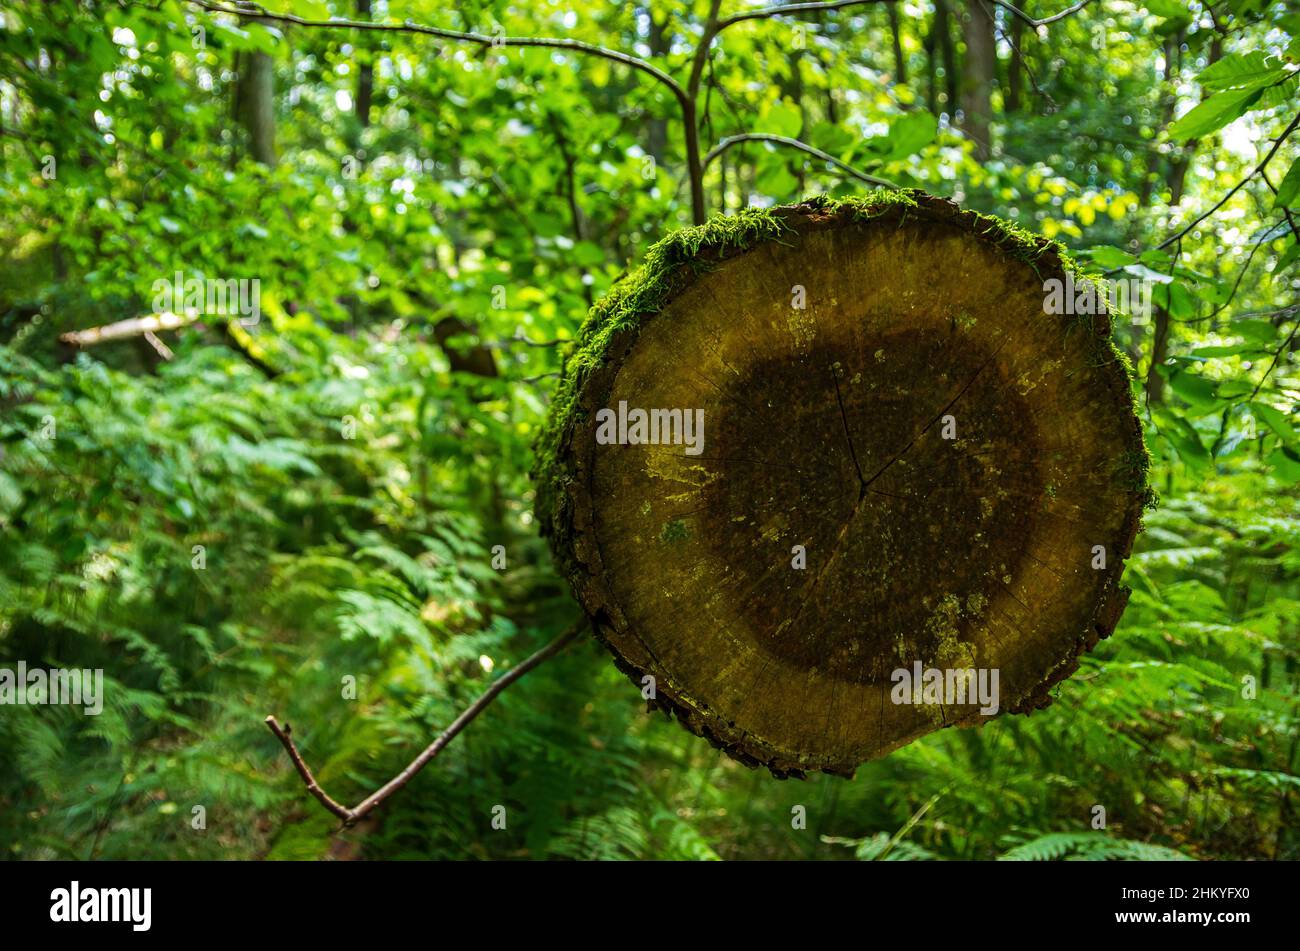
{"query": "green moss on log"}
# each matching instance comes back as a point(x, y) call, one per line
point(661, 529)
point(675, 260)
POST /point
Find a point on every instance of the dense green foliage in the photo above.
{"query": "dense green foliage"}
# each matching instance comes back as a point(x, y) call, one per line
point(237, 530)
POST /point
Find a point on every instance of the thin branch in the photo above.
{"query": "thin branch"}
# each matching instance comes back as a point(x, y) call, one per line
point(530, 380)
point(795, 8)
point(1257, 170)
point(479, 39)
point(160, 348)
point(282, 733)
point(1024, 61)
point(1035, 24)
point(1290, 219)
point(802, 147)
point(1277, 355)
point(519, 337)
point(351, 816)
point(791, 8)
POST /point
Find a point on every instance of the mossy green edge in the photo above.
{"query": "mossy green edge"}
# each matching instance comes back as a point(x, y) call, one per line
point(675, 260)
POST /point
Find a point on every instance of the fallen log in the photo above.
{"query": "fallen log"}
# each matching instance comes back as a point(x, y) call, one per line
point(124, 329)
point(147, 326)
point(806, 460)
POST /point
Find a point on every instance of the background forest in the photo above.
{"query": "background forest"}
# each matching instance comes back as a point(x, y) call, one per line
point(232, 518)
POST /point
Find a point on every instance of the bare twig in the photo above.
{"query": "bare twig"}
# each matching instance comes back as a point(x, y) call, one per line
point(796, 8)
point(791, 9)
point(519, 337)
point(1035, 24)
point(282, 733)
point(1277, 355)
point(1290, 219)
point(367, 805)
point(160, 348)
point(802, 147)
point(479, 39)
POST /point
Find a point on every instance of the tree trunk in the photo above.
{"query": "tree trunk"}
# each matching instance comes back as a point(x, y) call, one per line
point(929, 46)
point(919, 466)
point(365, 74)
point(978, 70)
point(895, 31)
point(943, 27)
point(1177, 180)
point(657, 129)
point(255, 105)
point(1016, 67)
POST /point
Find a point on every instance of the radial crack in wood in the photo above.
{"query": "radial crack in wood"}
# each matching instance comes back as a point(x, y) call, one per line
point(963, 473)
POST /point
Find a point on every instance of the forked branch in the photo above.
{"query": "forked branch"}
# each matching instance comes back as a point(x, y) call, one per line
point(350, 816)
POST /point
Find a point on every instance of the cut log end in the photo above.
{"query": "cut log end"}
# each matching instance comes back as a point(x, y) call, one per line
point(866, 448)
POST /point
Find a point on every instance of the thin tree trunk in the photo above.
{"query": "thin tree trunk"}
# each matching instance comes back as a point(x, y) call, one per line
point(255, 105)
point(978, 72)
point(895, 29)
point(365, 74)
point(1177, 181)
point(930, 46)
point(657, 129)
point(943, 27)
point(1016, 68)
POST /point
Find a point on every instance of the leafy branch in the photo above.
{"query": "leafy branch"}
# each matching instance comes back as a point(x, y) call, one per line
point(687, 96)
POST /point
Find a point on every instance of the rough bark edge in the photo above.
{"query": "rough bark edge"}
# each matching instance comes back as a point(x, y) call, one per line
point(670, 266)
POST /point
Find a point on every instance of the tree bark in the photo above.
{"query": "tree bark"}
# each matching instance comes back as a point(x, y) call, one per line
point(365, 74)
point(657, 128)
point(943, 28)
point(943, 455)
point(1016, 67)
point(979, 67)
point(896, 34)
point(255, 104)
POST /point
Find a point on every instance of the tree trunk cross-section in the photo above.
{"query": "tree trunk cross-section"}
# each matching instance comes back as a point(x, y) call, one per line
point(919, 465)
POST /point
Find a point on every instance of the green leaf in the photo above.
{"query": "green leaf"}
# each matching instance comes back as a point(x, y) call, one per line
point(1187, 443)
point(1232, 350)
point(1108, 257)
point(1287, 257)
point(1252, 70)
point(1172, 9)
point(1196, 389)
point(830, 138)
point(1256, 331)
point(910, 133)
point(312, 9)
point(1289, 187)
point(1286, 462)
point(1213, 114)
point(774, 179)
point(1274, 419)
point(783, 118)
point(11, 493)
